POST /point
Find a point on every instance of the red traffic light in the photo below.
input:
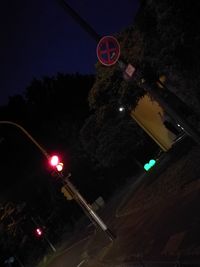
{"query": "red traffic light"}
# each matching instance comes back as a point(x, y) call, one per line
point(55, 162)
point(38, 232)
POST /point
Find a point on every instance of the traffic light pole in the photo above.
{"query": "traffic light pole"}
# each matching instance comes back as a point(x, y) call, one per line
point(86, 207)
point(70, 188)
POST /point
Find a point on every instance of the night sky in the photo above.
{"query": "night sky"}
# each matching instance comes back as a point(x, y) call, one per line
point(38, 38)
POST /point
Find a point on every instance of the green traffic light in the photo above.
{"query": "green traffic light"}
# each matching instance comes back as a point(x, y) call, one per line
point(149, 165)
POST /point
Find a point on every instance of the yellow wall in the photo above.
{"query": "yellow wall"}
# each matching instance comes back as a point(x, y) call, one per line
point(147, 116)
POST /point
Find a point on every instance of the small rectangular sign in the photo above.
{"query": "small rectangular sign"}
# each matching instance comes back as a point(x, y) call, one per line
point(130, 69)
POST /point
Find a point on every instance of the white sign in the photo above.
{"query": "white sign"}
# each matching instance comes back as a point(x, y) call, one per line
point(130, 70)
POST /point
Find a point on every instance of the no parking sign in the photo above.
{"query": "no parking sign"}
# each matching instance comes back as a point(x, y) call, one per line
point(108, 50)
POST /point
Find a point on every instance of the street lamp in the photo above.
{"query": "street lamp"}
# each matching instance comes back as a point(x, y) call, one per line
point(121, 109)
point(73, 192)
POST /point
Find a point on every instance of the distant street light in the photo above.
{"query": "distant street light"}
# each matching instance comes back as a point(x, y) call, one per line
point(95, 219)
point(121, 109)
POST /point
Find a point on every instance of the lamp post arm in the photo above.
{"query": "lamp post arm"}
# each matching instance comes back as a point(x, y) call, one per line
point(44, 152)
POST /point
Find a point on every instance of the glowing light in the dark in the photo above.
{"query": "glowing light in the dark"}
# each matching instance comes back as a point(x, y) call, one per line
point(54, 161)
point(59, 167)
point(149, 165)
point(38, 231)
point(121, 109)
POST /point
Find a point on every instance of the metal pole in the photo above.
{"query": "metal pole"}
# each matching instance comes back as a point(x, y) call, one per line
point(49, 243)
point(86, 207)
point(88, 28)
point(44, 152)
point(71, 189)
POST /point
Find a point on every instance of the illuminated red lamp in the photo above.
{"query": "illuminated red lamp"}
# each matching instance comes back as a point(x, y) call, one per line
point(38, 232)
point(55, 162)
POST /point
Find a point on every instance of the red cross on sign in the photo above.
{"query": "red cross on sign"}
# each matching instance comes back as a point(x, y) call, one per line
point(108, 50)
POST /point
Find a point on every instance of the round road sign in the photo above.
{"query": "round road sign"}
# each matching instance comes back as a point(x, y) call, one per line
point(108, 50)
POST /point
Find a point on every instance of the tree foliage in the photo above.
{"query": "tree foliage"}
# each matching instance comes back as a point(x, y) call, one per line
point(52, 110)
point(163, 40)
point(171, 39)
point(110, 87)
point(113, 139)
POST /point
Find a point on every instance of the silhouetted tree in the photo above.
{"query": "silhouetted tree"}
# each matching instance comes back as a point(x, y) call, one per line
point(171, 40)
point(113, 138)
point(53, 110)
point(164, 40)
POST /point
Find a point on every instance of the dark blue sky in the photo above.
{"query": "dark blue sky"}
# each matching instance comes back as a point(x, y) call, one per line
point(39, 38)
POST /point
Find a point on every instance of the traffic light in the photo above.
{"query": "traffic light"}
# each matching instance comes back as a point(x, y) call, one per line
point(59, 166)
point(54, 160)
point(38, 232)
point(55, 163)
point(149, 165)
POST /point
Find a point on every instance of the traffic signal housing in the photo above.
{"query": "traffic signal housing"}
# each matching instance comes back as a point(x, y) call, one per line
point(56, 163)
point(39, 232)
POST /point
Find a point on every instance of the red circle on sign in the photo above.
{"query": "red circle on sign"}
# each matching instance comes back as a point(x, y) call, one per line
point(108, 50)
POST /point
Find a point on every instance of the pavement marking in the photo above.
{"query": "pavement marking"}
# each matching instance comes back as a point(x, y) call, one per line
point(80, 263)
